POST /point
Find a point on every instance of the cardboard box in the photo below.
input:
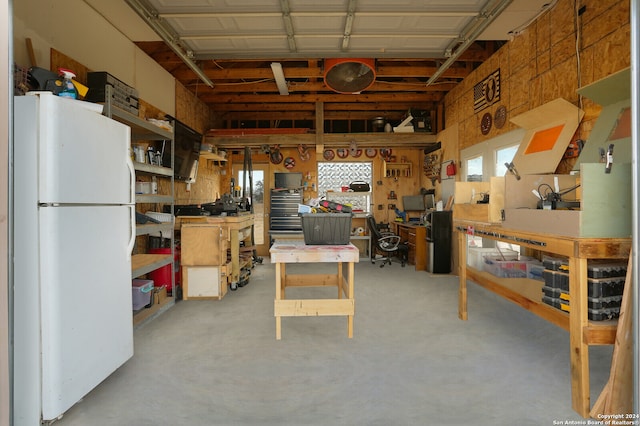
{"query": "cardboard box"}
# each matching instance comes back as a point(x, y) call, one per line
point(467, 195)
point(159, 295)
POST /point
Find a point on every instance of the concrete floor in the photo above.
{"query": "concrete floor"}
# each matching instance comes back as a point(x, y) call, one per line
point(411, 361)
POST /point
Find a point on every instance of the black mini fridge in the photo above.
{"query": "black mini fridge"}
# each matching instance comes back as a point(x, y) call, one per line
point(439, 234)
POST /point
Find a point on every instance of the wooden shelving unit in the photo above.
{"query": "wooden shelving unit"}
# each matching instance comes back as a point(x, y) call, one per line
point(141, 264)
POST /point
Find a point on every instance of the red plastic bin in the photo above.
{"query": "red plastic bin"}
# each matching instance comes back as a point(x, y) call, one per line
point(162, 276)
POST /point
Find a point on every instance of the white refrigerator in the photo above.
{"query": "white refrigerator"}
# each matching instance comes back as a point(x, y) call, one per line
point(74, 230)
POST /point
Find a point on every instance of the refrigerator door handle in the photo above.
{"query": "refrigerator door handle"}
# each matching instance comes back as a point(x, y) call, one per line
point(132, 207)
point(132, 174)
point(132, 229)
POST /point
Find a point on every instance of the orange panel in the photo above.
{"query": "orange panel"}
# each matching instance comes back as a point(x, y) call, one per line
point(622, 127)
point(544, 140)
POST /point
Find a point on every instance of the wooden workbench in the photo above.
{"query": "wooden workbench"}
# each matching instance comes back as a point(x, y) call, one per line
point(239, 228)
point(284, 252)
point(528, 293)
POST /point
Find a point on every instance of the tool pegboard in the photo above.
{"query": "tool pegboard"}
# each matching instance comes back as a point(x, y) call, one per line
point(432, 166)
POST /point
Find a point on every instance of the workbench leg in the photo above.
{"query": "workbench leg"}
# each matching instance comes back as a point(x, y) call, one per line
point(235, 256)
point(279, 289)
point(350, 296)
point(578, 321)
point(462, 274)
point(283, 280)
point(340, 278)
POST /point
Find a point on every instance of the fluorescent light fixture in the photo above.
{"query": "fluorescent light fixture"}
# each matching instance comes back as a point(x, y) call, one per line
point(150, 16)
point(469, 34)
point(278, 74)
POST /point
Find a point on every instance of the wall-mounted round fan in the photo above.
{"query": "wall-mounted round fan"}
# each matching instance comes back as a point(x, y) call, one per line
point(348, 75)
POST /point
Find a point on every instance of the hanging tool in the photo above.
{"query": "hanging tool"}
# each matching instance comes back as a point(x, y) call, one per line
point(248, 173)
point(574, 149)
point(609, 159)
point(512, 169)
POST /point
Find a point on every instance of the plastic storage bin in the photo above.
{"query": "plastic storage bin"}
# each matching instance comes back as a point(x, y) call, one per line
point(326, 228)
point(508, 268)
point(607, 270)
point(555, 263)
point(141, 293)
point(535, 271)
point(606, 287)
point(556, 279)
point(475, 255)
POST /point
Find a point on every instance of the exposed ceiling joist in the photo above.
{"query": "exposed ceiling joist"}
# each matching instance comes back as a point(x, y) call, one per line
point(422, 49)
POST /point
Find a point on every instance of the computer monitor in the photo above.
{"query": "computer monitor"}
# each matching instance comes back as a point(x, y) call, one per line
point(288, 180)
point(417, 203)
point(412, 203)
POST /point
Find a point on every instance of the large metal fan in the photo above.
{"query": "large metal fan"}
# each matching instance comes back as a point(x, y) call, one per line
point(348, 75)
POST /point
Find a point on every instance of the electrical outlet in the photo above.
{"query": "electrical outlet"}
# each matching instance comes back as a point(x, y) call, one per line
point(380, 207)
point(391, 206)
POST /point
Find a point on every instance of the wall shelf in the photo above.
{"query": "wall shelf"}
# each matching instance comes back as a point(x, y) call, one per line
point(212, 156)
point(396, 170)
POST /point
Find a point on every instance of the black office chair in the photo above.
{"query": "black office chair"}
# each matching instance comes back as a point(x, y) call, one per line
point(387, 244)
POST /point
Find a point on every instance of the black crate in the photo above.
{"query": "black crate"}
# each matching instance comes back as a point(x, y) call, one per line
point(606, 287)
point(555, 263)
point(556, 279)
point(602, 314)
point(326, 228)
point(556, 303)
point(99, 79)
point(556, 293)
point(605, 302)
point(607, 270)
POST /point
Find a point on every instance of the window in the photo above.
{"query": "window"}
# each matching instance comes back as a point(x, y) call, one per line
point(504, 155)
point(487, 159)
point(473, 167)
point(332, 176)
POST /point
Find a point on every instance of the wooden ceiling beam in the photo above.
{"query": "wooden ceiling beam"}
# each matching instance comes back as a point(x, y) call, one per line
point(244, 74)
point(312, 98)
point(319, 86)
point(310, 115)
point(330, 106)
point(331, 140)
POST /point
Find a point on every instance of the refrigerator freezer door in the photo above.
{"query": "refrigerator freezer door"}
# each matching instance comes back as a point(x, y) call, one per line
point(83, 156)
point(86, 301)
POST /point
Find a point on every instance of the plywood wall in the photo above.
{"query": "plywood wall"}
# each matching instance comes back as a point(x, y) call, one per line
point(541, 64)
